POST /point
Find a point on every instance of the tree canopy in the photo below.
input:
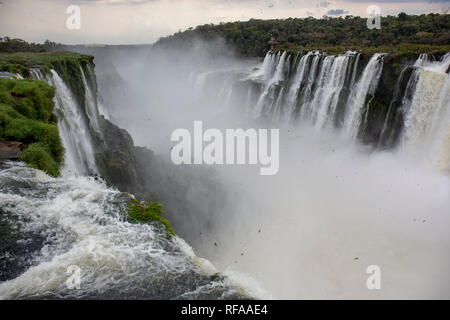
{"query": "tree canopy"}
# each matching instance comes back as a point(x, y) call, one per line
point(251, 37)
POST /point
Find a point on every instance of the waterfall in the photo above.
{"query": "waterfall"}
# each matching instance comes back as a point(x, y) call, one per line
point(326, 98)
point(337, 91)
point(366, 85)
point(277, 106)
point(313, 90)
point(279, 71)
point(74, 131)
point(355, 68)
point(427, 118)
point(78, 222)
point(299, 76)
point(423, 110)
point(83, 225)
point(306, 94)
point(441, 146)
point(396, 96)
point(79, 157)
point(310, 108)
point(91, 103)
point(268, 94)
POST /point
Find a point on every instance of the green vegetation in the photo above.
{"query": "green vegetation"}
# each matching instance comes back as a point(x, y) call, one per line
point(336, 35)
point(18, 45)
point(143, 212)
point(26, 106)
point(26, 115)
point(38, 156)
point(67, 64)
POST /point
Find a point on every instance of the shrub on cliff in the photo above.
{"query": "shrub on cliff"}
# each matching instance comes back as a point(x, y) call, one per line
point(38, 156)
point(143, 212)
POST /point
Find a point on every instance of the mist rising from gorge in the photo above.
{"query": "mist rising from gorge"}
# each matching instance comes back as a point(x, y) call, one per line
point(311, 231)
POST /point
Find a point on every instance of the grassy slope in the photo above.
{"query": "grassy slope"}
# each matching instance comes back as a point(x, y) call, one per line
point(67, 64)
point(26, 115)
point(26, 106)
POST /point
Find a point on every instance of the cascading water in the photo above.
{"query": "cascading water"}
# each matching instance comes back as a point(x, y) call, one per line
point(396, 96)
point(427, 117)
point(79, 156)
point(310, 109)
point(265, 101)
point(79, 223)
point(74, 131)
point(326, 98)
point(92, 110)
point(337, 204)
point(334, 208)
point(316, 88)
point(336, 91)
point(366, 85)
point(296, 83)
point(306, 93)
point(441, 146)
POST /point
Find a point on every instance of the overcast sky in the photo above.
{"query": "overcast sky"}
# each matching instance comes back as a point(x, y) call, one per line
point(144, 21)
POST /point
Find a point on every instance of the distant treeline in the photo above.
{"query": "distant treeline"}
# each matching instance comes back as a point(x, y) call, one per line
point(251, 37)
point(18, 45)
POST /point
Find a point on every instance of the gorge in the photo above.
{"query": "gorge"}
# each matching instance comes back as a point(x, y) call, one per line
point(363, 178)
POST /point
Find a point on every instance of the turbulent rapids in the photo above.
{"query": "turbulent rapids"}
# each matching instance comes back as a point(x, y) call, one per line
point(52, 225)
point(363, 180)
point(80, 222)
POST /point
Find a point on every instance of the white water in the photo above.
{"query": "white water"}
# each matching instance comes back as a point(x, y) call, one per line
point(79, 154)
point(315, 88)
point(306, 96)
point(366, 85)
point(92, 110)
point(325, 101)
point(334, 208)
point(270, 82)
point(427, 119)
point(84, 225)
point(296, 83)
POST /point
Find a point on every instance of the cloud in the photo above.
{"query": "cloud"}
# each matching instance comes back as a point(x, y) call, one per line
point(323, 4)
point(113, 2)
point(336, 12)
point(398, 1)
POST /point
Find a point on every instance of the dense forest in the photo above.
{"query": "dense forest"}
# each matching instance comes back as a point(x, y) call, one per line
point(251, 37)
point(10, 45)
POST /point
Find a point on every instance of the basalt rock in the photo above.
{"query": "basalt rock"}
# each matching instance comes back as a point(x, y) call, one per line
point(10, 150)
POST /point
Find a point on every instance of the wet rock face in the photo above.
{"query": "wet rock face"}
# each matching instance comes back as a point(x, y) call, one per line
point(10, 150)
point(115, 157)
point(147, 176)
